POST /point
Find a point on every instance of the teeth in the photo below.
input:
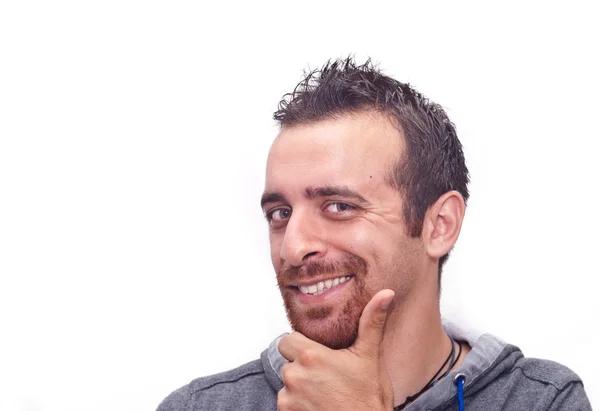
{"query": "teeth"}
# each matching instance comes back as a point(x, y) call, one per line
point(322, 286)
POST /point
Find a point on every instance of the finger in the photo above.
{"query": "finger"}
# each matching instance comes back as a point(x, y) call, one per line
point(372, 323)
point(285, 372)
point(293, 344)
point(283, 400)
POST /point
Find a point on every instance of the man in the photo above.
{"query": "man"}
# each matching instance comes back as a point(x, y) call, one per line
point(365, 194)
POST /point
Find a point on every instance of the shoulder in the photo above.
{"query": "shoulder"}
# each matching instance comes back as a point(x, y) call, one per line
point(240, 375)
point(514, 382)
point(546, 372)
point(536, 384)
point(220, 390)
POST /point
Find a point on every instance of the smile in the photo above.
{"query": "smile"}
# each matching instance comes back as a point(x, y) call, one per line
point(323, 286)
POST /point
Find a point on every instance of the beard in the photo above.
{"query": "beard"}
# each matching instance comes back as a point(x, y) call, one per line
point(332, 325)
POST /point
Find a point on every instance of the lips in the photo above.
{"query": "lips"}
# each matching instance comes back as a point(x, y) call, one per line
point(320, 287)
point(318, 280)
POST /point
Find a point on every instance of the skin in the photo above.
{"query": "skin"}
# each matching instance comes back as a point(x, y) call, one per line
point(331, 213)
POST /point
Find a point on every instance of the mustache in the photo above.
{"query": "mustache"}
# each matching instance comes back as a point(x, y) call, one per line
point(348, 264)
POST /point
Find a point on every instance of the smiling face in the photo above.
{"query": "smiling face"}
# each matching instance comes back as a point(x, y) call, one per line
point(335, 224)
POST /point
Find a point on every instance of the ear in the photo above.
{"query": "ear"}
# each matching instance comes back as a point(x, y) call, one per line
point(442, 224)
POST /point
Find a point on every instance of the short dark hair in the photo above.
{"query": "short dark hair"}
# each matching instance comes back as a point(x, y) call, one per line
point(433, 162)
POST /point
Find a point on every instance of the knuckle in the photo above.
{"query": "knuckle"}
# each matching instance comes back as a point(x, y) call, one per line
point(291, 378)
point(283, 400)
point(285, 373)
point(282, 343)
point(379, 320)
point(308, 357)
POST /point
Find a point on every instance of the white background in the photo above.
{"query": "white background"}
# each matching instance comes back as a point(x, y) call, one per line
point(133, 138)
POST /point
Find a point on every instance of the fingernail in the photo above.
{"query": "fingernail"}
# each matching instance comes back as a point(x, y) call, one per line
point(385, 304)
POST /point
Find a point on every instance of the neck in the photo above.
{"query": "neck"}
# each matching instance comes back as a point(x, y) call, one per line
point(415, 345)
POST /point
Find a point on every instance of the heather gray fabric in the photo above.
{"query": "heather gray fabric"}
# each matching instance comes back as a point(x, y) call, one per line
point(498, 377)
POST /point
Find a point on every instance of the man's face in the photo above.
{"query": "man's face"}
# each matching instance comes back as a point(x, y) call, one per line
point(335, 225)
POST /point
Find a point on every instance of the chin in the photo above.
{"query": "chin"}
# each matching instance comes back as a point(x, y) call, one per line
point(335, 338)
point(323, 325)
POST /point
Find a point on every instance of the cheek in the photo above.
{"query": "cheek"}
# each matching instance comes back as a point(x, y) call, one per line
point(275, 242)
point(358, 241)
point(388, 253)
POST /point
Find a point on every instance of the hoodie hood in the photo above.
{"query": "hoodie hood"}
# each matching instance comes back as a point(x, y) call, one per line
point(489, 356)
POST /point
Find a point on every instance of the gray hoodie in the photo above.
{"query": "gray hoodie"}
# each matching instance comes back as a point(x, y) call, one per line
point(497, 377)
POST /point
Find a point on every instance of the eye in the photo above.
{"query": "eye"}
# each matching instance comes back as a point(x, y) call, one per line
point(339, 207)
point(279, 214)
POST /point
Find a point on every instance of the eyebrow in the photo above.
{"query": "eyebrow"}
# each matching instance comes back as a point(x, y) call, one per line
point(271, 197)
point(314, 192)
point(328, 191)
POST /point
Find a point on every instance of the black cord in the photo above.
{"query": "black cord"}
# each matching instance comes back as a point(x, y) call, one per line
point(453, 360)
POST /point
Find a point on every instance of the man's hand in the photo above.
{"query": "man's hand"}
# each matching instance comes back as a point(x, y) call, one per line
point(319, 378)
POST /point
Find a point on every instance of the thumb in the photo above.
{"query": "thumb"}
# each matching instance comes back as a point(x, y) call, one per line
point(371, 324)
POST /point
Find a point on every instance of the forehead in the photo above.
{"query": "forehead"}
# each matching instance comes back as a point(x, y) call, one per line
point(351, 150)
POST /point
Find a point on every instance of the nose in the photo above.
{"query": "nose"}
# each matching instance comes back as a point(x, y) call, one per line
point(304, 239)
